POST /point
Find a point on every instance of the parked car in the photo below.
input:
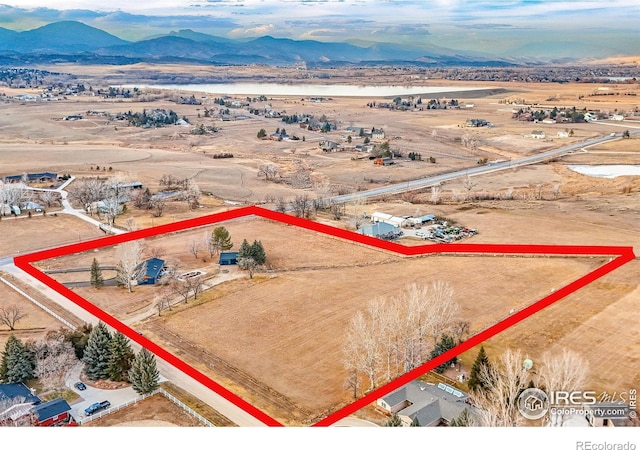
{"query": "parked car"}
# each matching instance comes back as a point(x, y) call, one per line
point(97, 407)
point(80, 386)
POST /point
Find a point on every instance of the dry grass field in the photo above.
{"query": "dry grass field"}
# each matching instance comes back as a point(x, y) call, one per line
point(274, 337)
point(24, 235)
point(34, 326)
point(274, 340)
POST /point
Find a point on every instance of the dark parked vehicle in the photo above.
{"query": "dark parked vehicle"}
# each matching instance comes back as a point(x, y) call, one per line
point(80, 386)
point(97, 407)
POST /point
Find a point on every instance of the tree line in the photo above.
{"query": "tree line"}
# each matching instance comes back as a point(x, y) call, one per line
point(395, 335)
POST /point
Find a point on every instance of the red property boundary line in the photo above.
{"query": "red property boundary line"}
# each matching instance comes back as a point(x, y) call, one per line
point(621, 256)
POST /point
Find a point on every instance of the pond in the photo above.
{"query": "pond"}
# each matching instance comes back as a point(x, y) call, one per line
point(309, 90)
point(607, 170)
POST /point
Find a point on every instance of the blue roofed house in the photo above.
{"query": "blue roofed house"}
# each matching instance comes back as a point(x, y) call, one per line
point(427, 404)
point(228, 258)
point(150, 271)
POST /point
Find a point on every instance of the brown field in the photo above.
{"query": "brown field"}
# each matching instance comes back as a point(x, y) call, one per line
point(286, 331)
point(24, 235)
point(598, 322)
point(261, 340)
point(153, 411)
point(34, 326)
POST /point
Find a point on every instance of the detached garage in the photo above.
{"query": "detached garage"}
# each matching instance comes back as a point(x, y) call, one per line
point(228, 258)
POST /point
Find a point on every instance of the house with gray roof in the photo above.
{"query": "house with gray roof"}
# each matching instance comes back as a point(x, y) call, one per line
point(427, 404)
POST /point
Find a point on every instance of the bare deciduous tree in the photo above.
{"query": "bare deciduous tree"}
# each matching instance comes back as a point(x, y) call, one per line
point(194, 247)
point(157, 205)
point(562, 371)
point(268, 171)
point(469, 184)
point(48, 197)
point(435, 195)
point(497, 405)
point(129, 255)
point(10, 315)
point(357, 206)
point(281, 205)
point(301, 206)
point(53, 358)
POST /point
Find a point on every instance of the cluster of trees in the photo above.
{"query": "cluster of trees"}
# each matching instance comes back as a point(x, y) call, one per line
point(395, 335)
point(155, 118)
point(250, 256)
point(109, 357)
point(47, 360)
point(496, 386)
point(414, 156)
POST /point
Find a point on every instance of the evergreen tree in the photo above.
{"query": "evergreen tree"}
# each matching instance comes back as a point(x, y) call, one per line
point(221, 240)
point(144, 374)
point(415, 422)
point(17, 362)
point(475, 382)
point(394, 421)
point(96, 274)
point(257, 253)
point(120, 357)
point(96, 353)
point(245, 250)
point(446, 343)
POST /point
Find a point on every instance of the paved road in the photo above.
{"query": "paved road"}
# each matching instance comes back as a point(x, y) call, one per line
point(472, 171)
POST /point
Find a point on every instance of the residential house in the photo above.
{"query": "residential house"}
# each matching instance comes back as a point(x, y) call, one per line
point(377, 133)
point(425, 404)
point(150, 271)
point(329, 146)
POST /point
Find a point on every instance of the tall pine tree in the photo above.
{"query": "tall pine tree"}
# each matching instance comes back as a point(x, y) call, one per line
point(97, 352)
point(221, 240)
point(96, 274)
point(17, 362)
point(120, 357)
point(257, 252)
point(446, 343)
point(245, 250)
point(144, 374)
point(476, 382)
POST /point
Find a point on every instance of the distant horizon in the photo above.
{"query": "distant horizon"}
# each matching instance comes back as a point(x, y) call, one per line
point(523, 28)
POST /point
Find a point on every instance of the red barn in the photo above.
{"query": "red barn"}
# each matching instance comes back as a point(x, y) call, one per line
point(55, 413)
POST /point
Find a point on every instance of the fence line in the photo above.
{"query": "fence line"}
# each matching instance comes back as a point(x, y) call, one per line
point(140, 398)
point(37, 303)
point(186, 408)
point(114, 408)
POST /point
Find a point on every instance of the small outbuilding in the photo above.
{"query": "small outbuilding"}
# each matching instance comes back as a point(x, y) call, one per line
point(228, 258)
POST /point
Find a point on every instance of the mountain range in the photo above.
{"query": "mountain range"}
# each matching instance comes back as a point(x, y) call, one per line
point(75, 41)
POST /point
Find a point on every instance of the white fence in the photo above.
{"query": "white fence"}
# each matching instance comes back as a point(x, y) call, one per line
point(37, 303)
point(142, 397)
point(114, 409)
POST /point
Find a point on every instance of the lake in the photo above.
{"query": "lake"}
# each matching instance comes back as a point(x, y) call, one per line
point(607, 170)
point(309, 90)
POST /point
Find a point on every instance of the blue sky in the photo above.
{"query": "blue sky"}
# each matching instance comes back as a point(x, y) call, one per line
point(484, 26)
